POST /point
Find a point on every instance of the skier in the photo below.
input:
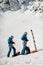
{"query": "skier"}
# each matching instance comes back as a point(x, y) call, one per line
point(25, 48)
point(10, 44)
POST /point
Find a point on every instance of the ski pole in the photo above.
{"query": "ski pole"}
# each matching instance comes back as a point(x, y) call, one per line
point(34, 40)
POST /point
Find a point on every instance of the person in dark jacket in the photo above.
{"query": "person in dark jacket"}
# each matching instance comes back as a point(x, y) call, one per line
point(24, 39)
point(10, 44)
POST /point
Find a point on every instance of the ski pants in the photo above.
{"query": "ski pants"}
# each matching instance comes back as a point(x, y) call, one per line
point(10, 48)
point(24, 47)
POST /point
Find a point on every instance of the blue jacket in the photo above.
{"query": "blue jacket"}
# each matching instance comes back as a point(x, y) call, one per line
point(9, 40)
point(24, 37)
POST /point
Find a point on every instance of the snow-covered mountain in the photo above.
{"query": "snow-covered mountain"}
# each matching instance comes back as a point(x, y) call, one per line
point(13, 4)
point(16, 23)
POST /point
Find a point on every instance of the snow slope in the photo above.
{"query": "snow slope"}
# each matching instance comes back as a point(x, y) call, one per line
point(16, 23)
point(30, 59)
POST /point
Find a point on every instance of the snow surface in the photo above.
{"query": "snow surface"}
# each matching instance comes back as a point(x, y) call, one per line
point(16, 23)
point(30, 59)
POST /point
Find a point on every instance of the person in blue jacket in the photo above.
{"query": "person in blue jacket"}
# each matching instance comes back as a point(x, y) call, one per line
point(24, 39)
point(10, 44)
